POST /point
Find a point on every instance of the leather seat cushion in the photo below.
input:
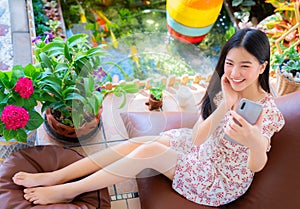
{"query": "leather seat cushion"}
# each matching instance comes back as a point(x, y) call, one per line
point(44, 159)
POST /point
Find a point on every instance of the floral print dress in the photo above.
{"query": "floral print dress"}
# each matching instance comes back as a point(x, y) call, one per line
point(216, 172)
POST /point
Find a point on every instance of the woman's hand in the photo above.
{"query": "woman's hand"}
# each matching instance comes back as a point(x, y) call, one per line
point(230, 96)
point(251, 137)
point(243, 132)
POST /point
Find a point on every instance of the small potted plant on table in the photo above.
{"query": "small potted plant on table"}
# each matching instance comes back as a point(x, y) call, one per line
point(155, 101)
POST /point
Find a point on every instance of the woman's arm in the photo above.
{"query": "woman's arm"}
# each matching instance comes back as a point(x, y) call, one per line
point(203, 129)
point(258, 154)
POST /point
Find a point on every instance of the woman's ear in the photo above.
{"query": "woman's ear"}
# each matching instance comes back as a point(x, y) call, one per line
point(263, 67)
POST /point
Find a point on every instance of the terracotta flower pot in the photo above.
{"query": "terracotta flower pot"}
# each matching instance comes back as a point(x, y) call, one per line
point(65, 133)
point(154, 104)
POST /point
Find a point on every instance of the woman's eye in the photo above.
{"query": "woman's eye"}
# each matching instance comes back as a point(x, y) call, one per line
point(245, 66)
point(228, 63)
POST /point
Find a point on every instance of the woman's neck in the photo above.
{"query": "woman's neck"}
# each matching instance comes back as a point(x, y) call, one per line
point(254, 94)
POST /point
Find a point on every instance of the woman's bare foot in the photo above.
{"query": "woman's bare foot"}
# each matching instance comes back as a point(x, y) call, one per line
point(34, 179)
point(48, 195)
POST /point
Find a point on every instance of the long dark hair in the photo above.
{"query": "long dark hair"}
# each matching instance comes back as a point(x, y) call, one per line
point(257, 44)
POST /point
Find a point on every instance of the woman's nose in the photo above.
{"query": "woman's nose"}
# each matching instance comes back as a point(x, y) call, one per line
point(235, 72)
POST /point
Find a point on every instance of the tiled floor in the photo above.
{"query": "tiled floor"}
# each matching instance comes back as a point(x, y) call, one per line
point(125, 194)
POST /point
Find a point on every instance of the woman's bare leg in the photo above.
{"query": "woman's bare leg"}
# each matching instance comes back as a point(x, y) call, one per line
point(86, 165)
point(154, 155)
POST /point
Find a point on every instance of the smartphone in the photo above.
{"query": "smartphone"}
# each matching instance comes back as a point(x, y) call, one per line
point(249, 110)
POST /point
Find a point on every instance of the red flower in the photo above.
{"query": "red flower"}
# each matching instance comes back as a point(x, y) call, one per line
point(24, 87)
point(14, 117)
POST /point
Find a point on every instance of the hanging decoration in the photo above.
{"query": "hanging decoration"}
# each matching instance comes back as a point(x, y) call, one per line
point(190, 20)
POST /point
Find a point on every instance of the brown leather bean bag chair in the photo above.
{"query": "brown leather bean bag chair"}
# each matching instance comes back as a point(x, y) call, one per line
point(277, 186)
point(43, 159)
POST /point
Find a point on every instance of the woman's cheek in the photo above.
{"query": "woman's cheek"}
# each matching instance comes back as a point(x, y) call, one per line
point(227, 71)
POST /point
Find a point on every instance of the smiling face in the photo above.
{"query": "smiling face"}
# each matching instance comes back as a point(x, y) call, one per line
point(242, 70)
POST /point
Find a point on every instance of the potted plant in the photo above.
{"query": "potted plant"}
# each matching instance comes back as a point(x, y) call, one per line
point(288, 70)
point(72, 85)
point(18, 108)
point(155, 101)
point(281, 28)
point(277, 26)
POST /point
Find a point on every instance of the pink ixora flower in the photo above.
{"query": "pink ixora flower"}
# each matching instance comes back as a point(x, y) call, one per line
point(24, 87)
point(14, 117)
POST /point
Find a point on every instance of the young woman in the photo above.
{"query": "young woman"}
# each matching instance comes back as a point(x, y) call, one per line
point(204, 167)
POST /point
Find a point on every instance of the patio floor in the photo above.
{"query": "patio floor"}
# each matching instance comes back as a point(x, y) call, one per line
point(125, 194)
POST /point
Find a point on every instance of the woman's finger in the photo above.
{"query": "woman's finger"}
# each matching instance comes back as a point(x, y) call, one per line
point(238, 118)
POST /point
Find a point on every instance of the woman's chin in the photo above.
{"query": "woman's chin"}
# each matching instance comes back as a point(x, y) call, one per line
point(237, 86)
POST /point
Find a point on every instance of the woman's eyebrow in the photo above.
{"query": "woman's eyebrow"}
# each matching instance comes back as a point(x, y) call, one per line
point(246, 62)
point(229, 60)
point(243, 62)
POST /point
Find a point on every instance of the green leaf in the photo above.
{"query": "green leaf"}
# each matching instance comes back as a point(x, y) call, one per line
point(30, 71)
point(248, 3)
point(97, 51)
point(118, 93)
point(46, 61)
point(30, 103)
point(76, 118)
point(54, 82)
point(5, 80)
point(92, 105)
point(99, 97)
point(74, 96)
point(68, 90)
point(53, 46)
point(89, 26)
point(77, 38)
point(83, 66)
point(2, 127)
point(9, 134)
point(47, 97)
point(88, 85)
point(124, 100)
point(17, 72)
point(58, 105)
point(119, 68)
point(236, 3)
point(62, 68)
point(67, 53)
point(21, 135)
point(35, 121)
point(129, 88)
point(56, 54)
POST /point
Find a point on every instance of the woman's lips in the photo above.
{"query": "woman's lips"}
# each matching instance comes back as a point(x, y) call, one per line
point(237, 81)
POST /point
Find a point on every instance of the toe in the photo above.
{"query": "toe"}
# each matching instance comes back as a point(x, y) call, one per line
point(26, 196)
point(30, 197)
point(29, 190)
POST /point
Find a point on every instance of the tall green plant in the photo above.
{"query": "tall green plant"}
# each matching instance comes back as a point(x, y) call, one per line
point(73, 77)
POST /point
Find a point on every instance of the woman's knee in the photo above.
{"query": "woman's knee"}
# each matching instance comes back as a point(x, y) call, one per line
point(156, 156)
point(149, 150)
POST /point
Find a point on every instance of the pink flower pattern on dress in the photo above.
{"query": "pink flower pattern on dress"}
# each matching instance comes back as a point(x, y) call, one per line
point(24, 87)
point(216, 172)
point(14, 117)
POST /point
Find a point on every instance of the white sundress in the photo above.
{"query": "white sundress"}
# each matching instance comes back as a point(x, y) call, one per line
point(216, 172)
